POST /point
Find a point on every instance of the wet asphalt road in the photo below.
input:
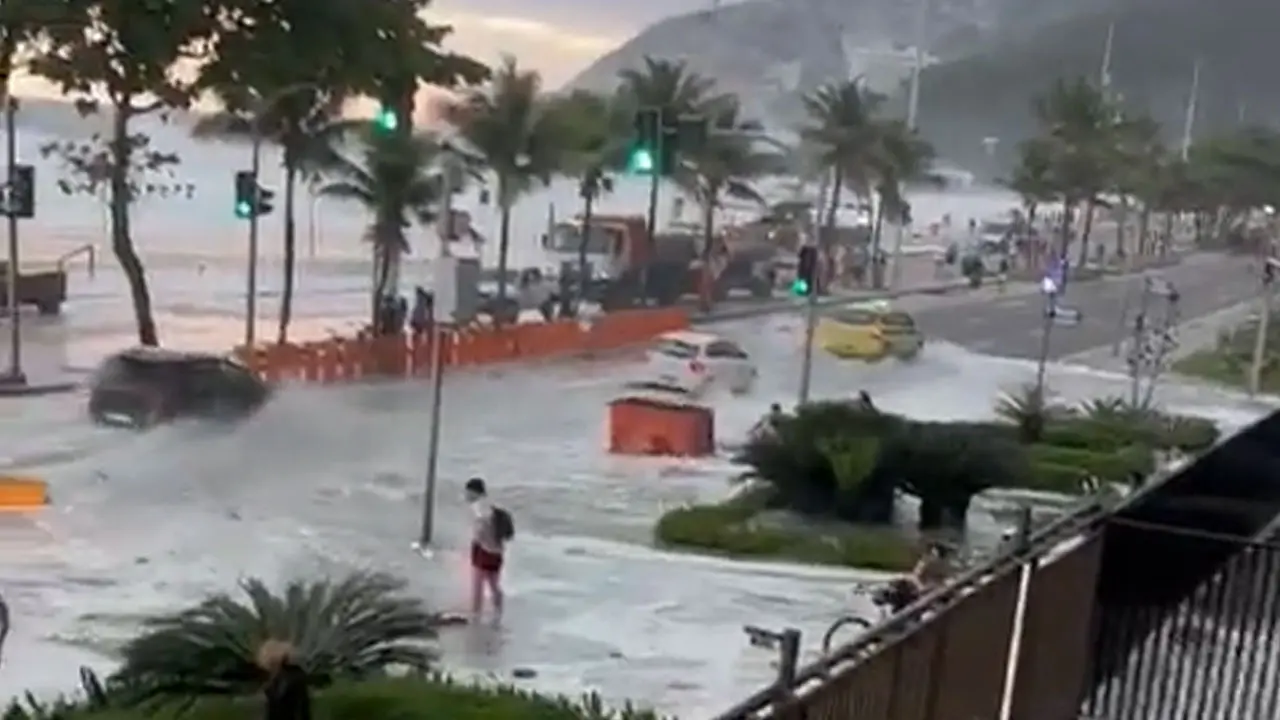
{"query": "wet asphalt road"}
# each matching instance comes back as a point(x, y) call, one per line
point(1012, 326)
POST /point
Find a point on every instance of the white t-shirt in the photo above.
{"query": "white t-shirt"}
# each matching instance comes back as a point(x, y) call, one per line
point(483, 532)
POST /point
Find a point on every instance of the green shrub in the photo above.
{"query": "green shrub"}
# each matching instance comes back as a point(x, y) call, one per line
point(731, 528)
point(1117, 466)
point(1188, 434)
point(1051, 477)
point(1083, 434)
point(403, 699)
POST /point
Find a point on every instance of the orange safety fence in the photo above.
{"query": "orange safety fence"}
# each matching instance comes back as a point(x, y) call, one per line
point(345, 359)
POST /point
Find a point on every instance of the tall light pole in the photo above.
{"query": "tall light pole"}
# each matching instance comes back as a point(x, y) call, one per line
point(913, 112)
point(13, 376)
point(1264, 321)
point(1192, 103)
point(260, 108)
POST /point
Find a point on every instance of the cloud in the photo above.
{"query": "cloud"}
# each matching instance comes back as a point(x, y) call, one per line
point(555, 51)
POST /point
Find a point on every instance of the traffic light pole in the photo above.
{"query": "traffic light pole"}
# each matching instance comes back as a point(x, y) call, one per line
point(251, 281)
point(651, 222)
point(438, 338)
point(810, 323)
point(14, 374)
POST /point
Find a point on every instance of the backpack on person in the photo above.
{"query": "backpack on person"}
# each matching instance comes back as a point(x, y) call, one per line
point(503, 525)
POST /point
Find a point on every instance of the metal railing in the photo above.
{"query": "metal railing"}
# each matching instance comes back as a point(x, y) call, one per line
point(88, 251)
point(947, 654)
point(1211, 655)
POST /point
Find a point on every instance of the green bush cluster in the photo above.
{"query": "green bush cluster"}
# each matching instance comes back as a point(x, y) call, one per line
point(842, 464)
point(394, 699)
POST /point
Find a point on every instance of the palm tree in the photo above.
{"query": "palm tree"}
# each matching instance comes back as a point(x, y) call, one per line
point(398, 182)
point(302, 124)
point(902, 157)
point(597, 130)
point(668, 86)
point(1138, 153)
point(1079, 122)
point(515, 129)
point(352, 628)
point(1033, 176)
point(844, 133)
point(723, 163)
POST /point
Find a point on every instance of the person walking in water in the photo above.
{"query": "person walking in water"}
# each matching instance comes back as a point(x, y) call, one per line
point(492, 529)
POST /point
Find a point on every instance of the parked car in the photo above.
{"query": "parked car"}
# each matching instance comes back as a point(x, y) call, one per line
point(694, 362)
point(871, 332)
point(142, 387)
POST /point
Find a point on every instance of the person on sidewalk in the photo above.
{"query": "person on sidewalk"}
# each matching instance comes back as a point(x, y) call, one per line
point(492, 529)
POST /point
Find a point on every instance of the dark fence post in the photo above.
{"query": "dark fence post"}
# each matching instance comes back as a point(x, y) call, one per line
point(788, 659)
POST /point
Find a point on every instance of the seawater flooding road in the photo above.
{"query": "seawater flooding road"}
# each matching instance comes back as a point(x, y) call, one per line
point(330, 478)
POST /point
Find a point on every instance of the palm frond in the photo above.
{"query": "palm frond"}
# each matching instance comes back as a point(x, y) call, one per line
point(355, 627)
point(222, 126)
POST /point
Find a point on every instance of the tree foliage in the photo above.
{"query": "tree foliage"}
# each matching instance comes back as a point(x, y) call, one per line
point(523, 140)
point(127, 53)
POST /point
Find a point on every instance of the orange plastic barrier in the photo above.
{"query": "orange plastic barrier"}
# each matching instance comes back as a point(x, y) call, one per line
point(22, 493)
point(346, 359)
point(652, 426)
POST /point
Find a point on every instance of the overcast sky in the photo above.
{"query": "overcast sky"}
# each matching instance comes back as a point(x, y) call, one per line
point(559, 37)
point(556, 37)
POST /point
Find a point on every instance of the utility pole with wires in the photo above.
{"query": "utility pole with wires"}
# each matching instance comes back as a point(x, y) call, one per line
point(1153, 339)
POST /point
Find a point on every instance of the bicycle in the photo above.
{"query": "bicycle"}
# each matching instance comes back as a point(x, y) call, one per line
point(877, 592)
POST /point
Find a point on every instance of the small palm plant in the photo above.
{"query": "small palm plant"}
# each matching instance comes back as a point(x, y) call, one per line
point(1027, 410)
point(356, 627)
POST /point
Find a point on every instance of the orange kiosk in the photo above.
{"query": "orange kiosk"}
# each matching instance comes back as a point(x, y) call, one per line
point(660, 426)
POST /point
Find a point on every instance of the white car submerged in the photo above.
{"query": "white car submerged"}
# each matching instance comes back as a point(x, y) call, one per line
point(694, 362)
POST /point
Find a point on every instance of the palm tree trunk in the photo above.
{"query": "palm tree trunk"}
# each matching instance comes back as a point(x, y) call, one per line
point(290, 250)
point(121, 241)
point(1144, 227)
point(706, 289)
point(877, 229)
point(504, 247)
point(588, 209)
point(1068, 206)
point(1089, 206)
point(827, 239)
point(1122, 221)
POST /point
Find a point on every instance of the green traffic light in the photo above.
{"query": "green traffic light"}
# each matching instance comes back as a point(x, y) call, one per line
point(800, 288)
point(387, 120)
point(640, 162)
point(243, 209)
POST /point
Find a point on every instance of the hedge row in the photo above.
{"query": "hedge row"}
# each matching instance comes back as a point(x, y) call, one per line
point(733, 528)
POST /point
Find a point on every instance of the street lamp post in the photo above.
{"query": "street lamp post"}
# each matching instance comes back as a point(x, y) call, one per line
point(13, 376)
point(913, 112)
point(261, 107)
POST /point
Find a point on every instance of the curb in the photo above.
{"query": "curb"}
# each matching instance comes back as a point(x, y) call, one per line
point(797, 305)
point(10, 390)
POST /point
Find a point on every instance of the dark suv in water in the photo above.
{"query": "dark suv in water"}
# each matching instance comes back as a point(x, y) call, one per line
point(145, 386)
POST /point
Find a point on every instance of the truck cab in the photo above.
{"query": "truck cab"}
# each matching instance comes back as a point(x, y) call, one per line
point(619, 254)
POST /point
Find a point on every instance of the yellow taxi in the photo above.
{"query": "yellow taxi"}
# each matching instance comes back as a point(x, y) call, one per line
point(869, 331)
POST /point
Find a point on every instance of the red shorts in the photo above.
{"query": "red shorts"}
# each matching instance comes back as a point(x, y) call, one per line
point(485, 561)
